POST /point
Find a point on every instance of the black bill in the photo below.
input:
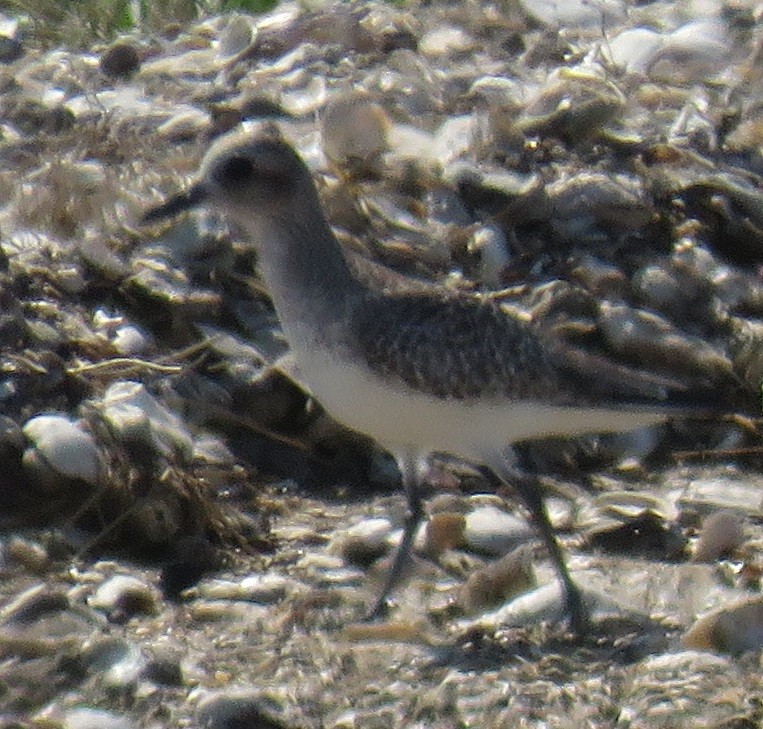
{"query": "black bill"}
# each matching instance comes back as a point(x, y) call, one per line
point(177, 204)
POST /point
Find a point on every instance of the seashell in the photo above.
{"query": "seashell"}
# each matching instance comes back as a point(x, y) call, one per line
point(634, 49)
point(513, 199)
point(746, 348)
point(90, 718)
point(710, 495)
point(592, 205)
point(454, 137)
point(573, 107)
point(354, 131)
point(127, 594)
point(574, 14)
point(264, 589)
point(490, 530)
point(676, 290)
point(626, 505)
point(34, 604)
point(700, 683)
point(444, 530)
point(650, 340)
point(733, 209)
point(187, 125)
point(238, 36)
point(735, 629)
point(132, 412)
point(492, 246)
point(720, 534)
point(545, 603)
point(446, 41)
point(60, 446)
point(695, 51)
point(599, 277)
point(307, 98)
point(363, 543)
point(497, 582)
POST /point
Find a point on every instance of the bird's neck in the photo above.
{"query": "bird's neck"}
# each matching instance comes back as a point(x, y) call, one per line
point(309, 279)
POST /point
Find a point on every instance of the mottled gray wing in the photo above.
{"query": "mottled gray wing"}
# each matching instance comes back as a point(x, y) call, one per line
point(452, 347)
point(466, 347)
point(597, 379)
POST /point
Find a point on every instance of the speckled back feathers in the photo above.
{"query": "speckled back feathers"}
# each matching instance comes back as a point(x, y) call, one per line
point(452, 347)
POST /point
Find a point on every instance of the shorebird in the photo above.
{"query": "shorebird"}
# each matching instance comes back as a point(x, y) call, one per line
point(420, 371)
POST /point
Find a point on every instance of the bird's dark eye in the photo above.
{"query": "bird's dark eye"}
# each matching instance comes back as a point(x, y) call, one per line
point(236, 169)
point(256, 173)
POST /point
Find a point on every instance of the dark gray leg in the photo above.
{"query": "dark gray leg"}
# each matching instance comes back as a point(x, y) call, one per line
point(409, 465)
point(529, 489)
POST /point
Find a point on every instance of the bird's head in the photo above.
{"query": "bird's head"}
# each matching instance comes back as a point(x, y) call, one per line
point(245, 176)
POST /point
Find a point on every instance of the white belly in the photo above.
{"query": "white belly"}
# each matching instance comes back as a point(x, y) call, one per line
point(467, 428)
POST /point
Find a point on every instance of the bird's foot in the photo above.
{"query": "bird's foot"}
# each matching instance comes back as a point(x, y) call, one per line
point(577, 611)
point(379, 611)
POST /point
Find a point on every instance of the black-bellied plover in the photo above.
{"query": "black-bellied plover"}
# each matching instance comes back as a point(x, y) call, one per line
point(420, 371)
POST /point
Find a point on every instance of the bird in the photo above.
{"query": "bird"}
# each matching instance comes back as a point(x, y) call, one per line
point(421, 371)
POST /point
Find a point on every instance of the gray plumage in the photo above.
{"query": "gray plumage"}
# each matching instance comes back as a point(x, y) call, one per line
point(452, 347)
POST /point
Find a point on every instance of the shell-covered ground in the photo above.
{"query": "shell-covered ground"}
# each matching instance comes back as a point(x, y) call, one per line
point(189, 539)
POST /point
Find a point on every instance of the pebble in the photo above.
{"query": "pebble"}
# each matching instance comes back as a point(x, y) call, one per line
point(11, 49)
point(120, 60)
point(91, 718)
point(354, 131)
point(60, 447)
point(497, 582)
point(124, 596)
point(443, 531)
point(720, 534)
point(733, 629)
point(131, 341)
point(118, 662)
point(237, 36)
point(364, 542)
point(165, 668)
point(264, 589)
point(445, 41)
point(228, 710)
point(32, 556)
point(492, 531)
point(133, 413)
point(645, 535)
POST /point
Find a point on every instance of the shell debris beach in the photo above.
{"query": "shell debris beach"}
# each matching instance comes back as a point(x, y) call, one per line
point(190, 539)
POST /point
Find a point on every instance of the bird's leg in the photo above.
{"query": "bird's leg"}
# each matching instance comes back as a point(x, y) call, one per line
point(409, 464)
point(529, 489)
